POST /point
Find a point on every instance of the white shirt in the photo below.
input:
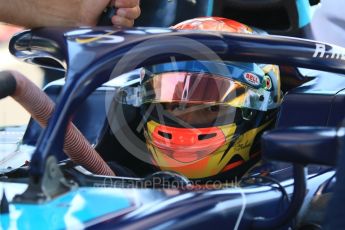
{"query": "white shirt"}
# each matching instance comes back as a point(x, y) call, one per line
point(328, 23)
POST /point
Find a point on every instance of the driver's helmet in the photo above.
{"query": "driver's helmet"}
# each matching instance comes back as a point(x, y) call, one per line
point(202, 118)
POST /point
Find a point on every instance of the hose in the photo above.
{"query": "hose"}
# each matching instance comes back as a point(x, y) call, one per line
point(41, 107)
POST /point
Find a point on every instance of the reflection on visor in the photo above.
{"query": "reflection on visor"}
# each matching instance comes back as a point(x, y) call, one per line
point(202, 88)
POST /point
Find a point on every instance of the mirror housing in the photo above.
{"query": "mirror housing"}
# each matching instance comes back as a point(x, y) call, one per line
point(303, 145)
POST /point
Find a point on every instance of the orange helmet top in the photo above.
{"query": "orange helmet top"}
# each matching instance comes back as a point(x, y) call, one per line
point(213, 24)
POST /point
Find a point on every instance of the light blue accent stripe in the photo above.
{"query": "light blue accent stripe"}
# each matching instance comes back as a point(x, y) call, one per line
point(304, 12)
point(71, 211)
point(210, 8)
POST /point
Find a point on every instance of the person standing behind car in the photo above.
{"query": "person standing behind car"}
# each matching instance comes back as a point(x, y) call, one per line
point(38, 13)
point(328, 23)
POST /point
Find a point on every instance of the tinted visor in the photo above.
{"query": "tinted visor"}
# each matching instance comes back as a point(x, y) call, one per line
point(202, 88)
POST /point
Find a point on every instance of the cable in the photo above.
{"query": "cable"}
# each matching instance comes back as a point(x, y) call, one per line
point(244, 204)
point(294, 206)
point(267, 179)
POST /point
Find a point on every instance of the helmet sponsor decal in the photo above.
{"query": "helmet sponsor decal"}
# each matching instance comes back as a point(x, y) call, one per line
point(267, 82)
point(252, 79)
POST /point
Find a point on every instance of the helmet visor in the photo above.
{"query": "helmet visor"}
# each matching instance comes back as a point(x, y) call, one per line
point(202, 88)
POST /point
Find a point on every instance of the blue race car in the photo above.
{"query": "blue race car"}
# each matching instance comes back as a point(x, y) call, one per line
point(63, 194)
point(66, 195)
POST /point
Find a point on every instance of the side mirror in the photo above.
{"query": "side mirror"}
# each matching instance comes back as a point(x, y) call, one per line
point(303, 145)
point(300, 146)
